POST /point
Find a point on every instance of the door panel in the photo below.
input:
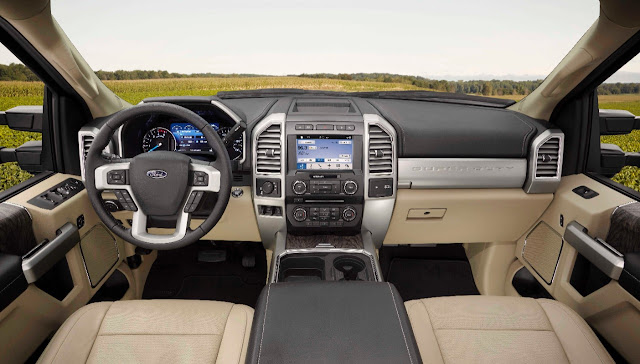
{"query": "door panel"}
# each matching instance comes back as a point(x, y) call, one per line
point(27, 321)
point(611, 310)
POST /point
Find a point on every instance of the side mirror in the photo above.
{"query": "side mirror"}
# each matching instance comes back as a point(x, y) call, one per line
point(617, 122)
point(613, 159)
point(23, 118)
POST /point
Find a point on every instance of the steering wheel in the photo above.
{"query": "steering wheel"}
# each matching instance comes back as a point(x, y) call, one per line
point(160, 183)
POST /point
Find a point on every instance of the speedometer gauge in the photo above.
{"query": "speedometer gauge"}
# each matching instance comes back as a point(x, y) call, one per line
point(158, 139)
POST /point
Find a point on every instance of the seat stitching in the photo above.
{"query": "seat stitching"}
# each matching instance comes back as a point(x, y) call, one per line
point(264, 322)
point(490, 329)
point(578, 325)
point(168, 334)
point(243, 334)
point(393, 298)
point(99, 329)
point(69, 332)
point(224, 329)
point(433, 329)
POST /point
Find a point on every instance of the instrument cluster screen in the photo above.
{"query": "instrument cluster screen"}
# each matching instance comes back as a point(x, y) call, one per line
point(324, 152)
point(189, 138)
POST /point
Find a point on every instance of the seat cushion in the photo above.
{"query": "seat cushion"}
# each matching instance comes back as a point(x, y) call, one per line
point(487, 329)
point(153, 331)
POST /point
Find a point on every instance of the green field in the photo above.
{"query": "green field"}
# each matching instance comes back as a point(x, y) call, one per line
point(14, 93)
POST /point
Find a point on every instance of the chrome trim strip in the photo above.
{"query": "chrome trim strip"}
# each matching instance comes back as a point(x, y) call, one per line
point(270, 226)
point(376, 215)
point(89, 131)
point(374, 266)
point(461, 172)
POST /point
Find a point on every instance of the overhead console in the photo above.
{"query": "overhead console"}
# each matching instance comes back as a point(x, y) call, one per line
point(322, 167)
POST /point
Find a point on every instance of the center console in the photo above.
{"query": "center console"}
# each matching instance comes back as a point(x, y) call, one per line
point(323, 166)
point(331, 322)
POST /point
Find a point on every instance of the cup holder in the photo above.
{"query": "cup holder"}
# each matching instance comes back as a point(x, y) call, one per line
point(349, 266)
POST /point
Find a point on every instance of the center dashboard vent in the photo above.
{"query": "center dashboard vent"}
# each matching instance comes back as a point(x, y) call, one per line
point(380, 150)
point(548, 159)
point(269, 150)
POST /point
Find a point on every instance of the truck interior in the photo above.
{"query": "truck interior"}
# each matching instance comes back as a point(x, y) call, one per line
point(289, 225)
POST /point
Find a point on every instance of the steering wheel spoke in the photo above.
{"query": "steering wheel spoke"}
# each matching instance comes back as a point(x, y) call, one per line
point(203, 177)
point(139, 229)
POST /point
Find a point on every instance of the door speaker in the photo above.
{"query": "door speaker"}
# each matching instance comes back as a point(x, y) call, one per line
point(542, 248)
point(99, 252)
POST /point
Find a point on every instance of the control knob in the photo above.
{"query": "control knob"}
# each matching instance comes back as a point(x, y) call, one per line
point(350, 187)
point(267, 187)
point(349, 214)
point(299, 214)
point(299, 187)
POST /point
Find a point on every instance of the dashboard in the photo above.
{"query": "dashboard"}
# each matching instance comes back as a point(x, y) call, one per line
point(318, 164)
point(161, 132)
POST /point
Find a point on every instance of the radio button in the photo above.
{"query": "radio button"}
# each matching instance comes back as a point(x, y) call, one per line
point(299, 214)
point(349, 214)
point(299, 187)
point(350, 187)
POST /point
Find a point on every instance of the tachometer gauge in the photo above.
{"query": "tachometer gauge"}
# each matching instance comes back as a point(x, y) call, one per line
point(158, 139)
point(235, 149)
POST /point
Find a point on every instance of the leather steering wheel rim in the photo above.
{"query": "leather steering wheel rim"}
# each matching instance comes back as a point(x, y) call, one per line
point(94, 161)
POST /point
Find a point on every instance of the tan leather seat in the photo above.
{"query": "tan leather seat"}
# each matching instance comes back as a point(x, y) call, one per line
point(154, 331)
point(486, 329)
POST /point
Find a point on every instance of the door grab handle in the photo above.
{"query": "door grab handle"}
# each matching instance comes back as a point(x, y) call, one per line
point(38, 261)
point(597, 251)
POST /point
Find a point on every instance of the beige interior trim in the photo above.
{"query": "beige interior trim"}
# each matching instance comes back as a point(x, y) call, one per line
point(490, 263)
point(34, 315)
point(472, 215)
point(619, 20)
point(33, 19)
point(238, 223)
point(611, 310)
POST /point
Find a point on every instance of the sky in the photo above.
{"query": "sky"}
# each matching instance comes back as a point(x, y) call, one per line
point(464, 39)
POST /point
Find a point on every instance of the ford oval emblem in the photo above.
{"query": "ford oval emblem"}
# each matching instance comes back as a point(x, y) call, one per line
point(156, 173)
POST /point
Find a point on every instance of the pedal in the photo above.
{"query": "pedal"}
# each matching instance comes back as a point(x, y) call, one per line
point(212, 256)
point(249, 261)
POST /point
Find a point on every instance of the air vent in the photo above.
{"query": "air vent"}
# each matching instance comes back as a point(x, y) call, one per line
point(86, 144)
point(85, 140)
point(548, 159)
point(268, 150)
point(380, 150)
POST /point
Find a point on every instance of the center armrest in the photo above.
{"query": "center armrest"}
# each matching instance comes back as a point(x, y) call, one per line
point(312, 322)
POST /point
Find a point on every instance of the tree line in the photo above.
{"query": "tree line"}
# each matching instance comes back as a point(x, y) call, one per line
point(18, 72)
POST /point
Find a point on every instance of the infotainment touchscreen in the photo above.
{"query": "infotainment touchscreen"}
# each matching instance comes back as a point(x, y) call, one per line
point(189, 138)
point(324, 152)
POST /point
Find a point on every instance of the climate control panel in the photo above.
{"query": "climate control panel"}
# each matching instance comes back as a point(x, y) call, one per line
point(324, 216)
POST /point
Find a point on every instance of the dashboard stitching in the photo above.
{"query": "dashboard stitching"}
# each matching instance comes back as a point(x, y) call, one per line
point(524, 139)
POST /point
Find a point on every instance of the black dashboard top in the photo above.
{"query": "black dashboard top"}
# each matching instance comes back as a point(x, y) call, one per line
point(426, 126)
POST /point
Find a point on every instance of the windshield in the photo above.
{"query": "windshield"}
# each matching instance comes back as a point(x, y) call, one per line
point(492, 48)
